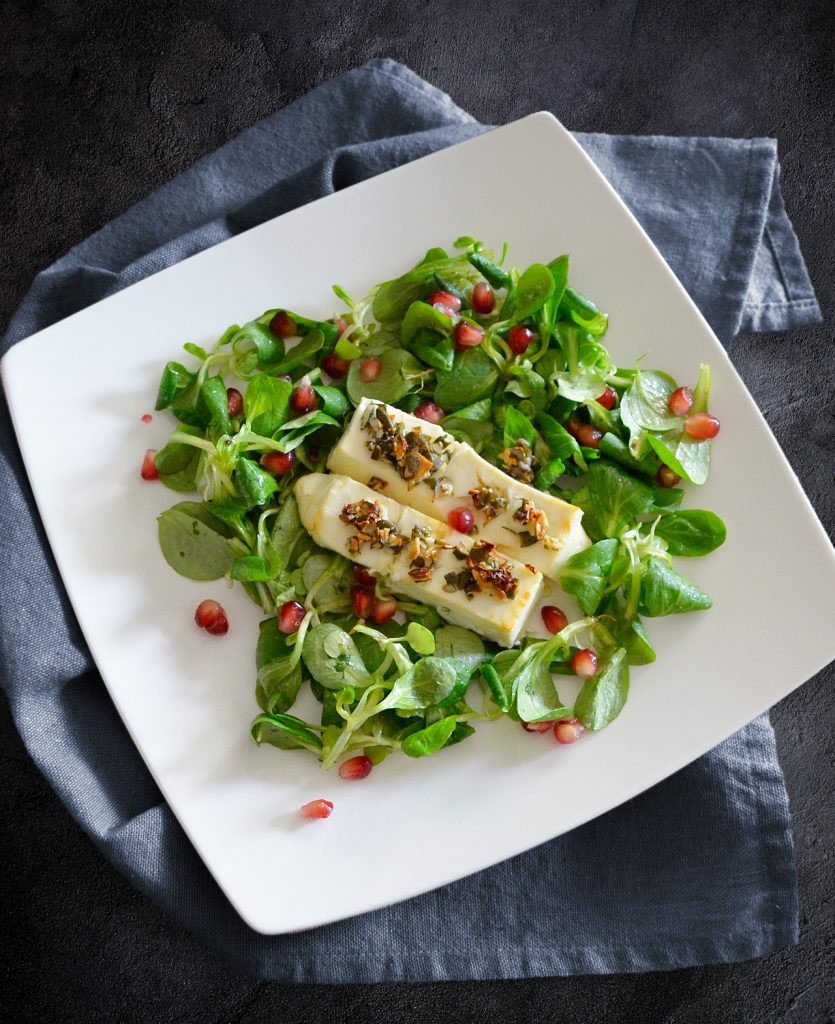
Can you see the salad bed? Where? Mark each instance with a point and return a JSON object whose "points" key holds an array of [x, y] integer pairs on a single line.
{"points": [[510, 361]]}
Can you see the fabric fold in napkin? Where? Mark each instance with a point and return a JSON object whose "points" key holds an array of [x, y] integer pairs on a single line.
{"points": [[699, 869]]}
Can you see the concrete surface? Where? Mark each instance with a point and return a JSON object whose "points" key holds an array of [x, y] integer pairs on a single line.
{"points": [[102, 102]]}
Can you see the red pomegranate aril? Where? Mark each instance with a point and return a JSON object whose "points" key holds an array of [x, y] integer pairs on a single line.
{"points": [[584, 663], [467, 335], [573, 424], [335, 366], [554, 618], [430, 412], [290, 616], [358, 767], [278, 463], [461, 519], [536, 726], [383, 609], [370, 369], [341, 324], [680, 402], [447, 300], [303, 398], [588, 435], [364, 577], [483, 299], [701, 425], [147, 418], [609, 398], [568, 730], [283, 325], [149, 466], [211, 617], [234, 402], [518, 339], [666, 477], [362, 602], [316, 809]]}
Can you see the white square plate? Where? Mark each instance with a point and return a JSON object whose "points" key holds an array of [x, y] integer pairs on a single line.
{"points": [[187, 698]]}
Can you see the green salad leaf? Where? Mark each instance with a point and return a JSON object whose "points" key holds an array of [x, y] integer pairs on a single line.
{"points": [[400, 678]]}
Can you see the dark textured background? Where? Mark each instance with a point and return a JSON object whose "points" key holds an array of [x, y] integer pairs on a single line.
{"points": [[102, 102]]}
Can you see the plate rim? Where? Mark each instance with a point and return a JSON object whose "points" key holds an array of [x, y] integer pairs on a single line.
{"points": [[9, 370]]}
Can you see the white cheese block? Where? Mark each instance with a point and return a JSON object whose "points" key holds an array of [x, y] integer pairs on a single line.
{"points": [[465, 470], [322, 498]]}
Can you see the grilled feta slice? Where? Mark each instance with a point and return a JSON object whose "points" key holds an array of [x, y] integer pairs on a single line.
{"points": [[472, 586], [417, 463]]}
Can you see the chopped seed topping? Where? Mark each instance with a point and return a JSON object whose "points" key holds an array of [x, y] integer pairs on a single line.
{"points": [[519, 461], [489, 501], [422, 553], [371, 527], [485, 568], [376, 484], [416, 456], [537, 525]]}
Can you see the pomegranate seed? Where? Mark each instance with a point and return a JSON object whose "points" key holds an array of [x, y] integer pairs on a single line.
{"points": [[536, 726], [283, 325], [666, 477], [278, 463], [211, 617], [701, 425], [290, 616], [335, 366], [370, 369], [588, 435], [303, 398], [147, 418], [358, 767], [483, 298], [383, 609], [446, 310], [518, 339], [461, 519], [362, 602], [316, 809], [234, 402], [447, 300], [584, 663], [573, 424], [430, 412], [287, 377], [313, 456], [609, 398], [680, 402], [554, 618], [364, 577], [467, 335], [149, 466], [568, 730], [341, 324]]}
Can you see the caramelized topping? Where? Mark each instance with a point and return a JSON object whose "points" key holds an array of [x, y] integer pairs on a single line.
{"points": [[519, 461], [484, 568], [422, 553], [489, 501], [536, 523], [372, 528], [376, 484], [416, 456]]}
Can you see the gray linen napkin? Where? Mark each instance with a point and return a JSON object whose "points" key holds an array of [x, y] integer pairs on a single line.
{"points": [[700, 868]]}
